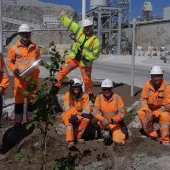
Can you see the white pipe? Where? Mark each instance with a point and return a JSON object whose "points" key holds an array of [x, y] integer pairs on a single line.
{"points": [[133, 58], [83, 10], [83, 18]]}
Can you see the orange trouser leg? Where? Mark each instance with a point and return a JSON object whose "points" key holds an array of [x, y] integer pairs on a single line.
{"points": [[86, 76], [164, 121], [117, 135], [69, 65], [147, 126], [83, 123], [69, 127], [19, 86]]}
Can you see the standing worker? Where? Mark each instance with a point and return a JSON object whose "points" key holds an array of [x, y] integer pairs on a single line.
{"points": [[4, 82], [76, 112], [84, 51], [109, 112], [155, 101], [20, 56]]}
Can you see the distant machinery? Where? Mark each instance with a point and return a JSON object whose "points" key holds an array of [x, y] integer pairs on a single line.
{"points": [[147, 11], [167, 13], [110, 17], [96, 3]]}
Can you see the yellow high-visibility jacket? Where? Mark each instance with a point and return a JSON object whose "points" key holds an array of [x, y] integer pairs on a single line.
{"points": [[91, 48]]}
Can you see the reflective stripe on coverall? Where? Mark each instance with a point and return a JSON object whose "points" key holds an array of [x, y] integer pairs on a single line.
{"points": [[74, 107], [158, 103], [91, 49], [21, 57], [112, 109]]}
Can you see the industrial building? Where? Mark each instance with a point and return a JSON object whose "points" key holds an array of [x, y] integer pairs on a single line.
{"points": [[110, 17], [111, 20], [167, 13]]}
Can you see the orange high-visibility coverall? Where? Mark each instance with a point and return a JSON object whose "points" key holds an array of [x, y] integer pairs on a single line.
{"points": [[158, 104], [4, 79], [89, 47], [111, 109], [21, 57], [75, 107]]}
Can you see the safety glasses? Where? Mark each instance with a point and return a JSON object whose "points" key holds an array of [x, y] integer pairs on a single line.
{"points": [[27, 34], [156, 77], [76, 87], [106, 89]]}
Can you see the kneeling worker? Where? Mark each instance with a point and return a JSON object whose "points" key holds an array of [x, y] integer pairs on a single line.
{"points": [[155, 100], [109, 111], [76, 112]]}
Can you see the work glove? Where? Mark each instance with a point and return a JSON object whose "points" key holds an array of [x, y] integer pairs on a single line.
{"points": [[73, 119], [106, 134], [16, 72], [155, 119], [91, 116], [105, 122], [85, 115]]}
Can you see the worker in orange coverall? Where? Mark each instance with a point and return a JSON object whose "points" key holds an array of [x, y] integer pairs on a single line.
{"points": [[4, 82], [20, 56], [109, 112], [155, 106], [76, 112]]}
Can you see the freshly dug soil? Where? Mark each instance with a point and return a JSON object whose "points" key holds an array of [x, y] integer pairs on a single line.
{"points": [[138, 153]]}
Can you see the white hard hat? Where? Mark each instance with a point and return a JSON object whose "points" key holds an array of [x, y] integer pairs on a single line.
{"points": [[107, 83], [156, 70], [87, 23], [75, 82], [24, 28]]}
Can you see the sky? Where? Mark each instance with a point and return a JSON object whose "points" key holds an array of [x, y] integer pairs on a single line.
{"points": [[136, 7]]}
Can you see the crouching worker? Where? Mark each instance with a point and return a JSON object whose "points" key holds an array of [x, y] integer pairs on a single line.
{"points": [[109, 112], [155, 100], [76, 112]]}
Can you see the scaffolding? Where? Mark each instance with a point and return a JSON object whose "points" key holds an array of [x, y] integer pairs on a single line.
{"points": [[109, 23]]}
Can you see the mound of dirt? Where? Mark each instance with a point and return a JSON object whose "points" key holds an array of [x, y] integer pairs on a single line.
{"points": [[138, 153]]}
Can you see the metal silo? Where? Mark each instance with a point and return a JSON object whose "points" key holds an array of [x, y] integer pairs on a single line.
{"points": [[95, 3]]}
